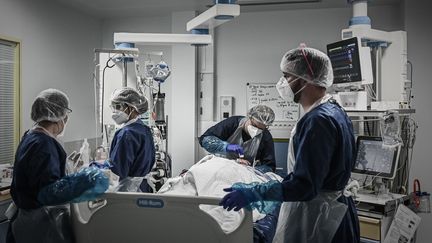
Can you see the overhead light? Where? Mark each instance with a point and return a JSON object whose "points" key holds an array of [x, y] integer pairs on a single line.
{"points": [[271, 2], [214, 16]]}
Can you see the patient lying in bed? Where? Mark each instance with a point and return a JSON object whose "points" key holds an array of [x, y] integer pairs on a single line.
{"points": [[209, 177]]}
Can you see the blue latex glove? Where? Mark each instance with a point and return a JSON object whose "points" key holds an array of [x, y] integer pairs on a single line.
{"points": [[264, 197], [89, 181], [105, 165], [235, 199], [235, 148]]}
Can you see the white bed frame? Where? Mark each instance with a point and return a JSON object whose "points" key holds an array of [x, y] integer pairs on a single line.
{"points": [[144, 217]]}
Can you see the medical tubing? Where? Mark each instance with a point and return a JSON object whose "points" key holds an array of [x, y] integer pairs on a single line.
{"points": [[214, 144], [87, 184]]}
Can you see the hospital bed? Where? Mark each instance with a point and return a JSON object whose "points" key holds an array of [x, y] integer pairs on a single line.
{"points": [[142, 217]]}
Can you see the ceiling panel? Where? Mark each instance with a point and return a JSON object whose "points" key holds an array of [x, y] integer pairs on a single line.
{"points": [[134, 8]]}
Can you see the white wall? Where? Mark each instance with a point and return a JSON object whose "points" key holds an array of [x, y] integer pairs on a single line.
{"points": [[249, 49], [179, 88], [160, 24], [183, 121], [417, 19], [57, 52]]}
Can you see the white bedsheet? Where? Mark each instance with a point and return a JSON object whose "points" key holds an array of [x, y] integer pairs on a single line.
{"points": [[209, 177]]}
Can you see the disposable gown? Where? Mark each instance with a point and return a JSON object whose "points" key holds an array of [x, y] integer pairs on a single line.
{"points": [[324, 149], [224, 129], [39, 161], [132, 152], [38, 181]]}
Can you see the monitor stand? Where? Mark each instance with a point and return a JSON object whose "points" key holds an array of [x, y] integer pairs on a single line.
{"points": [[379, 191]]}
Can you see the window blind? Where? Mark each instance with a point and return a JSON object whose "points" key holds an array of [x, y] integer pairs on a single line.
{"points": [[7, 82]]}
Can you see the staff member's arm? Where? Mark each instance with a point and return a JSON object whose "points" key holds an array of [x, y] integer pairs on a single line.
{"points": [[214, 140]]}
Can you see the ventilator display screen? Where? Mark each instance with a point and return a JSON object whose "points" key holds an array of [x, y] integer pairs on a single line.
{"points": [[345, 60], [281, 153], [374, 158]]}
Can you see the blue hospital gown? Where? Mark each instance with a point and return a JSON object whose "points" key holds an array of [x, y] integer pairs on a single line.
{"points": [[324, 149], [39, 161], [133, 152]]}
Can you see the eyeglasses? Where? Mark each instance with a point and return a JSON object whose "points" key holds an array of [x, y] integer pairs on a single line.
{"points": [[117, 107]]}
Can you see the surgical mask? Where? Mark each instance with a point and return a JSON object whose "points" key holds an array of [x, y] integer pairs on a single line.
{"points": [[253, 131], [285, 90], [120, 117], [64, 128]]}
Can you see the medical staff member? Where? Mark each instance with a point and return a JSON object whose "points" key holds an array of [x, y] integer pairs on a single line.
{"points": [[132, 152], [39, 178], [245, 138], [320, 159]]}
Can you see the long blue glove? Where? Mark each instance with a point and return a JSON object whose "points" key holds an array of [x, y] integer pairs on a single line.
{"points": [[214, 144], [264, 197], [89, 182], [235, 148], [235, 199]]}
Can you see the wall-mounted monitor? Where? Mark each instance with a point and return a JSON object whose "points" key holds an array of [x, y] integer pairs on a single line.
{"points": [[352, 65]]}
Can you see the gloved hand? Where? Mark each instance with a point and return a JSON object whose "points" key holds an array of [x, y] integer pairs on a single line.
{"points": [[351, 189], [264, 197], [72, 162], [101, 164], [236, 199], [235, 148]]}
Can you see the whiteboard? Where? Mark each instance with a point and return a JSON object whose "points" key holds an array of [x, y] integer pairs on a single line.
{"points": [[267, 94]]}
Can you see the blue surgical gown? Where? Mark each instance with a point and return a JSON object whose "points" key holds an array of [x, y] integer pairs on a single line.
{"points": [[324, 149], [133, 152], [224, 129], [39, 161]]}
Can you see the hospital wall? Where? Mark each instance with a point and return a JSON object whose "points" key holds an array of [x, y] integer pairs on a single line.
{"points": [[159, 24], [154, 24], [249, 48], [417, 21], [179, 88], [57, 52]]}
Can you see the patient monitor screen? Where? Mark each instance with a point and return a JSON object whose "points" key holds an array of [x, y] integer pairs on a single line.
{"points": [[375, 159], [345, 60]]}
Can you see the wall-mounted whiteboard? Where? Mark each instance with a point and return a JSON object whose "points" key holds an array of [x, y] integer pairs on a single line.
{"points": [[266, 94]]}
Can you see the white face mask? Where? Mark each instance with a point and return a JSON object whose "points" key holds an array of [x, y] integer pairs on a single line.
{"points": [[63, 131], [285, 90], [120, 117], [253, 131]]}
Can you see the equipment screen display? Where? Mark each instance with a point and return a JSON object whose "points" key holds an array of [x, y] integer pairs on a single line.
{"points": [[374, 158], [345, 60], [281, 153]]}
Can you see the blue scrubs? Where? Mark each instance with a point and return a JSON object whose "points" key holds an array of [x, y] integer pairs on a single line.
{"points": [[324, 149], [224, 129], [39, 161], [133, 152]]}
